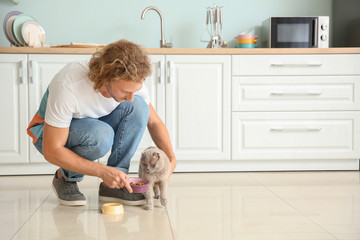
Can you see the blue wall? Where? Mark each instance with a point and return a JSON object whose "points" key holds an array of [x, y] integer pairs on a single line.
{"points": [[106, 21]]}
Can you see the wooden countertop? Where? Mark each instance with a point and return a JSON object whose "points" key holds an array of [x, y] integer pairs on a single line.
{"points": [[189, 51]]}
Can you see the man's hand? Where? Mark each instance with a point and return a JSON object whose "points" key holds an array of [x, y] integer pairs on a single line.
{"points": [[114, 178]]}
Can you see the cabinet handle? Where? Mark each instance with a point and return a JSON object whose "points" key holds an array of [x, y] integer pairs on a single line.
{"points": [[293, 129], [34, 70], [21, 71], [310, 92], [296, 64], [162, 72], [171, 71]]}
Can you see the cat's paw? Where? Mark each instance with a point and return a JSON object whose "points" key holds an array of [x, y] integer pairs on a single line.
{"points": [[163, 202], [156, 196], [149, 207]]}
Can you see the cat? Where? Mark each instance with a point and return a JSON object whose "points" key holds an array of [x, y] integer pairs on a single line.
{"points": [[155, 167]]}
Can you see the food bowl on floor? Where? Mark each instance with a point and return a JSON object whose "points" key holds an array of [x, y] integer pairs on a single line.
{"points": [[112, 208], [138, 185]]}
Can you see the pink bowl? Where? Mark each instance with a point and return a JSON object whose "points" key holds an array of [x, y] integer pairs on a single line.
{"points": [[247, 36], [138, 188]]}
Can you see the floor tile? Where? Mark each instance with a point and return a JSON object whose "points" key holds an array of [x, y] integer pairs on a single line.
{"points": [[20, 196], [354, 175], [329, 199], [257, 213], [200, 204], [212, 179], [302, 178], [247, 206], [334, 208], [233, 206]]}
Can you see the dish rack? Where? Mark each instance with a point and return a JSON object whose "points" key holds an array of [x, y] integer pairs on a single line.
{"points": [[22, 30]]}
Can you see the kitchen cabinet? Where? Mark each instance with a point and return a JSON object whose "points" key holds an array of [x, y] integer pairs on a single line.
{"points": [[296, 108], [242, 112], [13, 99], [198, 106]]}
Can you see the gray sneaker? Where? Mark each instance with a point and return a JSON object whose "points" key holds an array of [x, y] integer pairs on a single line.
{"points": [[67, 192], [121, 196]]}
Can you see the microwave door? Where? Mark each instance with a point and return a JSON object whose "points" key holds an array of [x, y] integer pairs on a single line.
{"points": [[294, 32]]}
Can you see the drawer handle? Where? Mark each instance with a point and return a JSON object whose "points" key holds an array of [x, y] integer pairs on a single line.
{"points": [[282, 93], [296, 64], [292, 129]]}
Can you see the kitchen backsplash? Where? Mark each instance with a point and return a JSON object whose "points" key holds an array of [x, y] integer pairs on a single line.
{"points": [[103, 22]]}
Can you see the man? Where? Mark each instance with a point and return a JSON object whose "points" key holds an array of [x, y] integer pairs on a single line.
{"points": [[89, 108]]}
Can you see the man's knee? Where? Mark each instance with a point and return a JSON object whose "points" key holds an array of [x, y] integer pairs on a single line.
{"points": [[141, 111], [104, 136], [93, 141]]}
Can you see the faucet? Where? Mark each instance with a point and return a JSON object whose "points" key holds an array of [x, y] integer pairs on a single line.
{"points": [[163, 43]]}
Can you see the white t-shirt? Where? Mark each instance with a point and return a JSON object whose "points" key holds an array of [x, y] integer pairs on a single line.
{"points": [[71, 95]]}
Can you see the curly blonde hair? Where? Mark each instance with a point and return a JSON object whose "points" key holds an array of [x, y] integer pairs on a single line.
{"points": [[119, 60]]}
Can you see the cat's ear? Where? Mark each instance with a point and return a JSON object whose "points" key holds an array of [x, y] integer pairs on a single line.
{"points": [[155, 158], [156, 155], [142, 158]]}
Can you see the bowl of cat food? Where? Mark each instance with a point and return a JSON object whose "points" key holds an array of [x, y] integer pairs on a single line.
{"points": [[138, 185]]}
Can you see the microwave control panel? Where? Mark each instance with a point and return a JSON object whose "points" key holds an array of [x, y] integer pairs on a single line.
{"points": [[323, 36]]}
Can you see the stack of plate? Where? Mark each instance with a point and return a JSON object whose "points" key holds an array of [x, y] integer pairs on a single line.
{"points": [[23, 30], [246, 41]]}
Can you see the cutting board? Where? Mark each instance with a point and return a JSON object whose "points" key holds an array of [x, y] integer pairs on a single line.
{"points": [[77, 46]]}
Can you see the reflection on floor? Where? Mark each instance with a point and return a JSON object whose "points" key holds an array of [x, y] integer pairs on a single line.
{"points": [[251, 205]]}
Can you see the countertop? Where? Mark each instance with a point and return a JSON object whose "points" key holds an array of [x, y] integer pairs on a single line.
{"points": [[189, 51]]}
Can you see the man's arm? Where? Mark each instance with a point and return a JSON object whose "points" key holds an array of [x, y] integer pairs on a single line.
{"points": [[160, 136], [55, 152]]}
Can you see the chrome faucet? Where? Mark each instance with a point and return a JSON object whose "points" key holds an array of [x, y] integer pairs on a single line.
{"points": [[163, 43]]}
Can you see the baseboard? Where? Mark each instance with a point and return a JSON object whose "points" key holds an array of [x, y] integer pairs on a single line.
{"points": [[209, 166]]}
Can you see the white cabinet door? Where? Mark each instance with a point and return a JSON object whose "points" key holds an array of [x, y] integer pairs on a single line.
{"points": [[156, 86], [198, 106], [42, 68], [13, 109]]}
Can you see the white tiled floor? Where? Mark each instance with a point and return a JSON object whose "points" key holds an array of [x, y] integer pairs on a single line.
{"points": [[246, 206]]}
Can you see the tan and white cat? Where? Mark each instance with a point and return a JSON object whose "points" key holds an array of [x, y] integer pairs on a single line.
{"points": [[155, 167]]}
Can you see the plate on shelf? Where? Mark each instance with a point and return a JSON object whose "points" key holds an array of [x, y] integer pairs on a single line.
{"points": [[7, 25], [33, 33], [9, 30], [17, 27]]}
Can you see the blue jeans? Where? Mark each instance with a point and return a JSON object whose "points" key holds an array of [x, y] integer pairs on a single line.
{"points": [[121, 131]]}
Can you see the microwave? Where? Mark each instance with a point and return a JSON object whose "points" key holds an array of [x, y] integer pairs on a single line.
{"points": [[296, 32]]}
